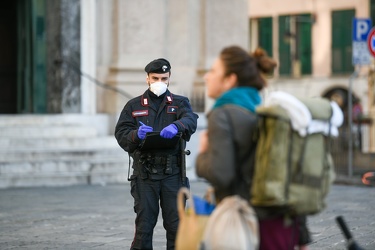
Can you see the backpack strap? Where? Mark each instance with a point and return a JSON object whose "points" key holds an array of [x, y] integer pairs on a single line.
{"points": [[328, 144], [299, 175], [289, 169]]}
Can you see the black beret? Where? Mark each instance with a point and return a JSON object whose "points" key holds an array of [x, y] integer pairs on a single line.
{"points": [[159, 66]]}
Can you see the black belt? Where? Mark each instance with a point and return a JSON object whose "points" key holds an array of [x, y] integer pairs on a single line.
{"points": [[163, 160], [160, 164]]}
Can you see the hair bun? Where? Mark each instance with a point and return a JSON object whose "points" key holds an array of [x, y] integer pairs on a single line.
{"points": [[259, 52], [265, 63]]}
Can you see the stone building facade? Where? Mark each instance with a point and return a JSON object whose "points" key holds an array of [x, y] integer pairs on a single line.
{"points": [[63, 61]]}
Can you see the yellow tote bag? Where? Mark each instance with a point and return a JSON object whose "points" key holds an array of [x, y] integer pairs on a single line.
{"points": [[191, 226]]}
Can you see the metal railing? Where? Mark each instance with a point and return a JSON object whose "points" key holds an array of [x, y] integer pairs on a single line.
{"points": [[77, 69], [363, 160]]}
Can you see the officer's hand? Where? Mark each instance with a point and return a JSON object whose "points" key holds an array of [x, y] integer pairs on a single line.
{"points": [[169, 131], [143, 130]]}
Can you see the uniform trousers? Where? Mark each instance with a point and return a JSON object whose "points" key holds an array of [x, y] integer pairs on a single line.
{"points": [[147, 194]]}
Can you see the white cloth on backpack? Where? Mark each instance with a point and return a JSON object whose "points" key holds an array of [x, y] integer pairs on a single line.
{"points": [[301, 118], [299, 114], [233, 225], [328, 128]]}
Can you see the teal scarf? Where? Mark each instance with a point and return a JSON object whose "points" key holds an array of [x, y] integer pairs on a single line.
{"points": [[246, 97]]}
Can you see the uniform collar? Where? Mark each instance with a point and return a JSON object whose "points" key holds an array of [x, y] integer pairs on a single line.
{"points": [[145, 98]]}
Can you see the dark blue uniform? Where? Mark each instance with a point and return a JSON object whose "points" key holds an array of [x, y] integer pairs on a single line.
{"points": [[156, 174]]}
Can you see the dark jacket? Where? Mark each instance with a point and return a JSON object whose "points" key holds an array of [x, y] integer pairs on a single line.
{"points": [[156, 113], [228, 163]]}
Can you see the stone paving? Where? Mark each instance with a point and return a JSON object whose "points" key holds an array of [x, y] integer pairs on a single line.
{"points": [[101, 217]]}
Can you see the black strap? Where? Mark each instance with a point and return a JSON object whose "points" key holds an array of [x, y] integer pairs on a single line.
{"points": [[289, 167], [299, 173]]}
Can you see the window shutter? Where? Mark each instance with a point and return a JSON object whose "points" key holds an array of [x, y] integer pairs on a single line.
{"points": [[265, 34], [284, 47], [304, 46], [342, 41]]}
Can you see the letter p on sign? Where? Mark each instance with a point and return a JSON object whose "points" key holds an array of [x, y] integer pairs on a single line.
{"points": [[361, 28]]}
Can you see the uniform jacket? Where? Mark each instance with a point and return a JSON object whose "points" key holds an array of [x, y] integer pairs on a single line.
{"points": [[173, 109]]}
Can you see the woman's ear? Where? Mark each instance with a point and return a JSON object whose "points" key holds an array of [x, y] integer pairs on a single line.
{"points": [[230, 81]]}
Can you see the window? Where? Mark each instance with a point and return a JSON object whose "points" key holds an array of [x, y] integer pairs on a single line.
{"points": [[295, 44]]}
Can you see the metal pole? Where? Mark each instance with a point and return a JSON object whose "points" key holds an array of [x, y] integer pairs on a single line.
{"points": [[350, 108]]}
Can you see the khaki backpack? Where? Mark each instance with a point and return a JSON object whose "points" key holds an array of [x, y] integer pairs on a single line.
{"points": [[290, 170]]}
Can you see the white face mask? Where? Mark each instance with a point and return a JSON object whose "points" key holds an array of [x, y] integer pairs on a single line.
{"points": [[158, 88]]}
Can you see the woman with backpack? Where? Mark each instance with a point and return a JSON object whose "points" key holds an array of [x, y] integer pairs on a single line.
{"points": [[227, 148]]}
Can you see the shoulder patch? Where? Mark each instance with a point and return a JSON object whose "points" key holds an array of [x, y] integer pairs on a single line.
{"points": [[172, 109], [169, 99]]}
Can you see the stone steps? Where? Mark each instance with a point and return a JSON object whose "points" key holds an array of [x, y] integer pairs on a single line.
{"points": [[102, 123], [57, 144], [56, 150], [101, 154], [57, 131], [65, 173]]}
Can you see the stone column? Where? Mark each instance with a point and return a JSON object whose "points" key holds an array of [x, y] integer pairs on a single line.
{"points": [[63, 60], [105, 20], [88, 56], [182, 44], [225, 23], [54, 86]]}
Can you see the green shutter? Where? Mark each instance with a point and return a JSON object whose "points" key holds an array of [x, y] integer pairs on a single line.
{"points": [[31, 82], [23, 62], [372, 11], [284, 47], [39, 57], [342, 41], [265, 34], [304, 43]]}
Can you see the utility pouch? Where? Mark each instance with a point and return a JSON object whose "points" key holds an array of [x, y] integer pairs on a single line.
{"points": [[168, 167]]}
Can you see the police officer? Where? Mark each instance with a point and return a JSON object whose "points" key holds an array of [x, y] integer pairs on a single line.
{"points": [[157, 176]]}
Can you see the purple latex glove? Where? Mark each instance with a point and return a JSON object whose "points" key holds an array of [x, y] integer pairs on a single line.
{"points": [[143, 130], [169, 131]]}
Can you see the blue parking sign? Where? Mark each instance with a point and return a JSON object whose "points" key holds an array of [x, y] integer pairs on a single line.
{"points": [[361, 28]]}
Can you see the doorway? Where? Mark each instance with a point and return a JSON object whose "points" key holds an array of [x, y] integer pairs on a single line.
{"points": [[8, 57], [22, 57]]}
